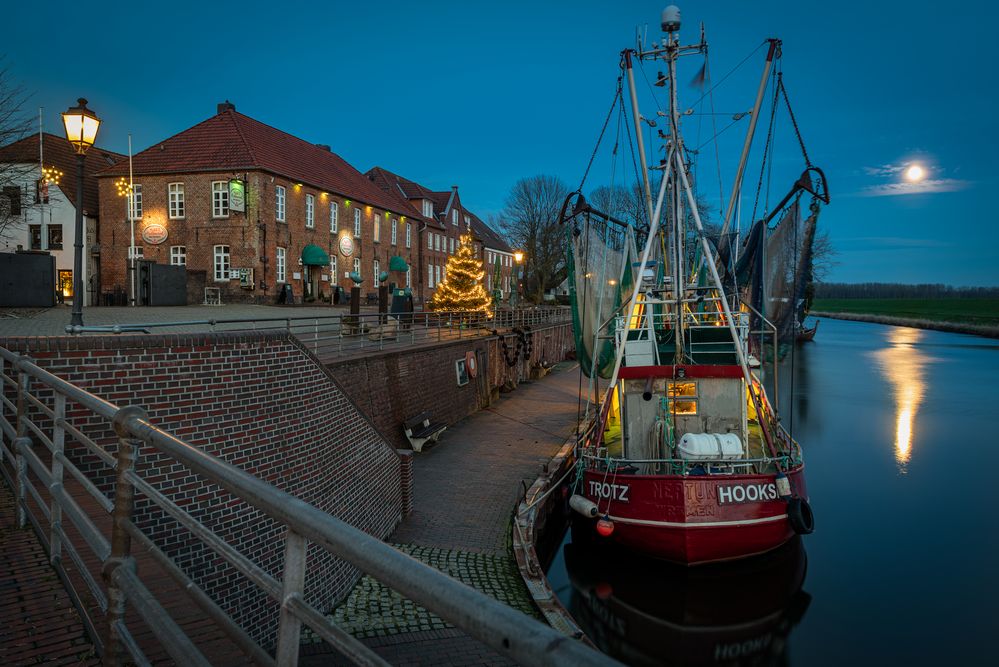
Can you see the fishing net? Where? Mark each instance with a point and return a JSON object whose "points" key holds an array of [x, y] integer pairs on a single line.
{"points": [[599, 259]]}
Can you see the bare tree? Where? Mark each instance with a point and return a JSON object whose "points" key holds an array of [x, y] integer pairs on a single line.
{"points": [[530, 220], [823, 256], [14, 125]]}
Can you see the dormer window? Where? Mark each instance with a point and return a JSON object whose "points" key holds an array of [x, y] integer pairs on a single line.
{"points": [[428, 208], [454, 216]]}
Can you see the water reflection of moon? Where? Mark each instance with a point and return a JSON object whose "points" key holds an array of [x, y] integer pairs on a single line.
{"points": [[903, 364]]}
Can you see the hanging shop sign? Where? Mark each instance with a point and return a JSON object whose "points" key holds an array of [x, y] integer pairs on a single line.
{"points": [[346, 245], [237, 195], [154, 233]]}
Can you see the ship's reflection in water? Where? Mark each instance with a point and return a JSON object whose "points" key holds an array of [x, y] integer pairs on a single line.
{"points": [[648, 612], [903, 363]]}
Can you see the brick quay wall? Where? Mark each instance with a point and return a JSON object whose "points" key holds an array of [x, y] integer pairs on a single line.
{"points": [[393, 386], [256, 400]]}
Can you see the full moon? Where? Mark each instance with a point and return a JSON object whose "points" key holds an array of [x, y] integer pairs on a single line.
{"points": [[915, 173]]}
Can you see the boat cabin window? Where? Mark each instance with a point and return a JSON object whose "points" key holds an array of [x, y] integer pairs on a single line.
{"points": [[682, 397]]}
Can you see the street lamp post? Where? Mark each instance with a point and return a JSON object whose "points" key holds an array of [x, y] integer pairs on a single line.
{"points": [[81, 131], [518, 257]]}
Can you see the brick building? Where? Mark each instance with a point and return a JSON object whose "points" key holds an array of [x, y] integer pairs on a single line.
{"points": [[250, 209], [38, 215], [440, 238]]}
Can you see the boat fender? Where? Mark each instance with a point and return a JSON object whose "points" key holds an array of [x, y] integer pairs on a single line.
{"points": [[605, 526], [799, 513], [583, 505], [783, 486]]}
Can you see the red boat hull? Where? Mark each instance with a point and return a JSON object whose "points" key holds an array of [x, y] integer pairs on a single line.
{"points": [[694, 519]]}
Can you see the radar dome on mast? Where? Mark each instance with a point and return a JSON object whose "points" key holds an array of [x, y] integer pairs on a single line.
{"points": [[671, 19]]}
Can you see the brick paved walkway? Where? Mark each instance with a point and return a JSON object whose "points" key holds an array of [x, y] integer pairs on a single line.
{"points": [[465, 488], [38, 623]]}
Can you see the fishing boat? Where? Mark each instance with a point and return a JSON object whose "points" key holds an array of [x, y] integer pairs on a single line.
{"points": [[683, 455]]}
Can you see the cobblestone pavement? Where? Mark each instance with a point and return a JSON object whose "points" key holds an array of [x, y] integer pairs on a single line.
{"points": [[465, 488], [38, 623]]}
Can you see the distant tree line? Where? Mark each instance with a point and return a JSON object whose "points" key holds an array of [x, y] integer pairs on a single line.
{"points": [[900, 291]]}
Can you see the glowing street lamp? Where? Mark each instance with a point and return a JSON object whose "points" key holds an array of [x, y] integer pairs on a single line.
{"points": [[81, 131], [518, 257]]}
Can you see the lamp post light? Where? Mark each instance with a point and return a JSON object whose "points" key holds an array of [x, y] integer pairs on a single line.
{"points": [[81, 131], [518, 257]]}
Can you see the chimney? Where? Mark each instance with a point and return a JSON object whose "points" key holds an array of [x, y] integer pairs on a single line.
{"points": [[325, 147], [226, 106], [454, 187]]}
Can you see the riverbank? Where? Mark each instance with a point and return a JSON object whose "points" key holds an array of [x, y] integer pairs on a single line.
{"points": [[917, 323]]}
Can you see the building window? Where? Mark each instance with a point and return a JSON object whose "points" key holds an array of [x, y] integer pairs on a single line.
{"points": [[357, 265], [409, 276], [221, 261], [281, 265], [377, 227], [334, 278], [454, 216], [310, 211], [175, 199], [178, 255], [468, 221], [135, 202], [41, 191], [430, 240], [220, 200], [437, 273], [430, 275], [376, 267], [55, 237], [357, 222], [280, 200], [437, 242], [409, 235], [334, 216], [12, 193], [395, 232], [428, 208], [137, 254], [36, 237], [452, 245]]}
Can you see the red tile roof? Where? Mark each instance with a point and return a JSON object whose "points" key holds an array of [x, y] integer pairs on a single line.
{"points": [[388, 180], [60, 154], [231, 141]]}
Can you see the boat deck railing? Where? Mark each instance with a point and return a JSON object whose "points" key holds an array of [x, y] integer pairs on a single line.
{"points": [[603, 462], [70, 457]]}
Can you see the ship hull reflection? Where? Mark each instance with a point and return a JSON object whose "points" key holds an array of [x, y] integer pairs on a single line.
{"points": [[649, 612]]}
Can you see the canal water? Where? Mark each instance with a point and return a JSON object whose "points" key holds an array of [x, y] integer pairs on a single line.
{"points": [[900, 429]]}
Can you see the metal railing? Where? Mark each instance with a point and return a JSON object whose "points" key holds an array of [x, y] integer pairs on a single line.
{"points": [[331, 336], [34, 411]]}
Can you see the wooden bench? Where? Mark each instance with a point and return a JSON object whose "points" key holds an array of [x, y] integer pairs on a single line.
{"points": [[419, 430]]}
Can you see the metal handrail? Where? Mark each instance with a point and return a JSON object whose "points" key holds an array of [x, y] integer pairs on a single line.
{"points": [[506, 630]]}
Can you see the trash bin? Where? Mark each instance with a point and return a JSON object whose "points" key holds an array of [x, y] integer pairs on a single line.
{"points": [[402, 306]]}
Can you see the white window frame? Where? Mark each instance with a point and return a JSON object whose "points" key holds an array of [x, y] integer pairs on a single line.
{"points": [[175, 199], [430, 275], [220, 199], [281, 265], [428, 208], [453, 245], [135, 202], [430, 240], [334, 217], [357, 265], [409, 235], [409, 276], [280, 203], [437, 274], [138, 252], [437, 242], [310, 211], [334, 278], [357, 223], [454, 217], [376, 271], [395, 231], [222, 263], [178, 255], [376, 226]]}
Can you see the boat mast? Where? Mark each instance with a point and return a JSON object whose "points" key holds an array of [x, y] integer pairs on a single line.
{"points": [[637, 116], [737, 185]]}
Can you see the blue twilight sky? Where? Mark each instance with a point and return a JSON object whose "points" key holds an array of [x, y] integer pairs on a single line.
{"points": [[481, 94]]}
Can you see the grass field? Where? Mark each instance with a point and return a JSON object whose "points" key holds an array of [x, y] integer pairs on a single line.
{"points": [[964, 311]]}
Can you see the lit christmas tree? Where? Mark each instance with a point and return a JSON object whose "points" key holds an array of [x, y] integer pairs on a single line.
{"points": [[461, 289]]}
